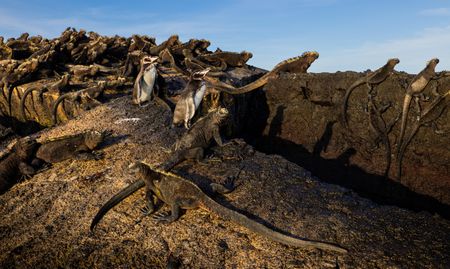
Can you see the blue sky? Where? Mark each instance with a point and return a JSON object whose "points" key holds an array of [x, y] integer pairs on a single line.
{"points": [[349, 34]]}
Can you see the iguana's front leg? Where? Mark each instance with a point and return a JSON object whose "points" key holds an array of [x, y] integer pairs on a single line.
{"points": [[40, 165], [169, 218], [86, 156], [217, 137], [26, 170], [149, 207]]}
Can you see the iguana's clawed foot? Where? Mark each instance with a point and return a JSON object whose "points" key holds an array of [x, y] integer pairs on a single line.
{"points": [[147, 210], [214, 159], [98, 155], [86, 156], [163, 149], [163, 217], [44, 167], [25, 177], [438, 130]]}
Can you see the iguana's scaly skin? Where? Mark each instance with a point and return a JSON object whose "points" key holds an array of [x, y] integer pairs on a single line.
{"points": [[194, 64], [19, 76], [198, 138], [54, 87], [382, 130], [85, 94], [17, 164], [300, 64], [72, 146], [373, 78], [180, 193], [170, 42], [415, 88], [429, 114], [191, 45], [226, 58]]}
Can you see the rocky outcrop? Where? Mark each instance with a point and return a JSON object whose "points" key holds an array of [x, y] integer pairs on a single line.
{"points": [[302, 122], [45, 220]]}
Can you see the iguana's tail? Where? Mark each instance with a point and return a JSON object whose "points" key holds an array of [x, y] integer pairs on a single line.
{"points": [[400, 142], [405, 109], [265, 231], [115, 200], [23, 100], [344, 106], [55, 107]]}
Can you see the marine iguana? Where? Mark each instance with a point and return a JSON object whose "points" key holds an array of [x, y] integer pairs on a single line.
{"points": [[131, 63], [142, 43], [85, 95], [415, 88], [54, 87], [226, 58], [193, 143], [171, 41], [77, 146], [20, 75], [18, 163], [145, 80], [190, 98], [382, 129], [4, 132], [371, 79], [193, 63], [191, 45], [429, 114], [180, 193], [302, 62]]}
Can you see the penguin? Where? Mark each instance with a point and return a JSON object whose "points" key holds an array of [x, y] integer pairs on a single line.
{"points": [[145, 81], [190, 98]]}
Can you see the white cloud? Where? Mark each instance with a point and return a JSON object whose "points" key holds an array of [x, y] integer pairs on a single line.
{"points": [[268, 50], [413, 53], [436, 12]]}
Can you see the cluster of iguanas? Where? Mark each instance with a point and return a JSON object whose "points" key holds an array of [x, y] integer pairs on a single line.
{"points": [[44, 70], [203, 70], [27, 156], [414, 89], [178, 192], [201, 83], [79, 68], [48, 80]]}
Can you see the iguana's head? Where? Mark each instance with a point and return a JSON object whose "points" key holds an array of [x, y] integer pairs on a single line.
{"points": [[393, 61], [146, 61], [220, 114], [311, 56], [199, 75], [203, 44], [148, 171], [173, 39], [246, 55], [432, 63], [136, 167], [25, 148], [93, 138]]}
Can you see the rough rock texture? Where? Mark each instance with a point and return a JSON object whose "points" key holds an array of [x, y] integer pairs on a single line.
{"points": [[45, 220], [299, 118]]}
